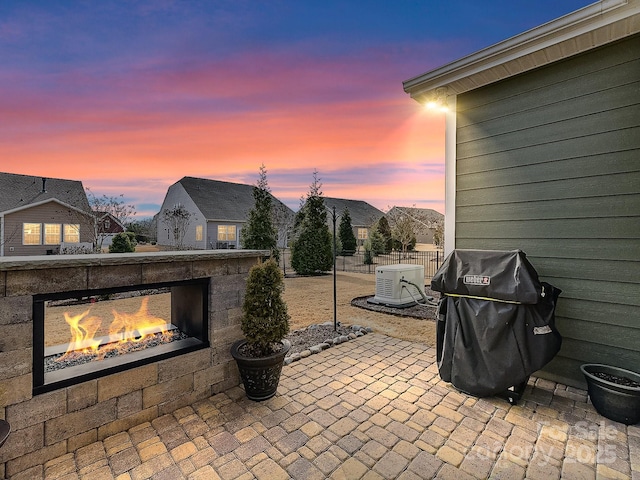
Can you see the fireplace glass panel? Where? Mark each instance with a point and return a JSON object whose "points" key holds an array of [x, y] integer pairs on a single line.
{"points": [[88, 334]]}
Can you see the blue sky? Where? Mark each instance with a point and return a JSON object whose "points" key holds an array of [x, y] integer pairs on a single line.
{"points": [[129, 97]]}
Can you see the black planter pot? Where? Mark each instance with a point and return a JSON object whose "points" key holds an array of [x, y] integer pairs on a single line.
{"points": [[617, 402], [260, 376]]}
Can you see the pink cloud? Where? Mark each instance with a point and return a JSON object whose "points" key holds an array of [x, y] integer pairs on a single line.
{"points": [[139, 128]]}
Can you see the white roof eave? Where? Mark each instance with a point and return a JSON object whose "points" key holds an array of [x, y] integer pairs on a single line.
{"points": [[590, 27]]}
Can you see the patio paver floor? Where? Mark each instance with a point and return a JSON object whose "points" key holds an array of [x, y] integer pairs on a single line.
{"points": [[371, 408]]}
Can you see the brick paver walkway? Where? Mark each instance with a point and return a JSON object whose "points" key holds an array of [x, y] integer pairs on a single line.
{"points": [[372, 408]]}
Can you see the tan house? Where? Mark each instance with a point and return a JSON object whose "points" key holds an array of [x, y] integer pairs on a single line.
{"points": [[39, 216]]}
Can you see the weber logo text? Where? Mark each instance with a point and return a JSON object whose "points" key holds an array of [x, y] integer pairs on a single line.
{"points": [[477, 280]]}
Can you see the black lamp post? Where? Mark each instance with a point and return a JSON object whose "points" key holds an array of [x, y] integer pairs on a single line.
{"points": [[335, 254]]}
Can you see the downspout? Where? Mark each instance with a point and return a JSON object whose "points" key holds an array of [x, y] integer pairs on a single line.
{"points": [[450, 176], [1, 235]]}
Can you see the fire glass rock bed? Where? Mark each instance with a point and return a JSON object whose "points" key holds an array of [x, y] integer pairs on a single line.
{"points": [[496, 323]]}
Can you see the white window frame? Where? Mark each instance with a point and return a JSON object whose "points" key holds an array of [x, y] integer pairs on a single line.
{"points": [[46, 240], [24, 234], [225, 231], [66, 232]]}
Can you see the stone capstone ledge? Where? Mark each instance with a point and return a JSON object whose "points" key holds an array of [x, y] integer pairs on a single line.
{"points": [[37, 262]]}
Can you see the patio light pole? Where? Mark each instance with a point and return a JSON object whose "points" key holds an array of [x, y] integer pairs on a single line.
{"points": [[335, 295]]}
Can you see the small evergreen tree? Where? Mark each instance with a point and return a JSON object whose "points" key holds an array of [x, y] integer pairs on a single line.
{"points": [[123, 242], [259, 232], [368, 252], [311, 252], [265, 321], [378, 243], [347, 238], [385, 230]]}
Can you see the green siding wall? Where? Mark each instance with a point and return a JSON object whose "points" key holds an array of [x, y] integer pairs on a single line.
{"points": [[549, 162]]}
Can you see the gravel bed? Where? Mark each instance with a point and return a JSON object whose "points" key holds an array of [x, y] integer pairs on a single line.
{"points": [[319, 337]]}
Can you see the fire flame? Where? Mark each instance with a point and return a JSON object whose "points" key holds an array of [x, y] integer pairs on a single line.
{"points": [[124, 328], [134, 327], [83, 330]]}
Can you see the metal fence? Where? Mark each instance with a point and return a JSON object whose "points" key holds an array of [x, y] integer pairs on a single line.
{"points": [[356, 262]]}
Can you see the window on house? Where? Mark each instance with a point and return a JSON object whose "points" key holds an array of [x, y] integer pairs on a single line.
{"points": [[363, 234], [52, 233], [199, 234], [71, 233], [107, 224], [31, 234], [226, 233]]}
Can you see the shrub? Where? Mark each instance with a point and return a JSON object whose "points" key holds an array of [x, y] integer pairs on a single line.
{"points": [[265, 321], [123, 242]]}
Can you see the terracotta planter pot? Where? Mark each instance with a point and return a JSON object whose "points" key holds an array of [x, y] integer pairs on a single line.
{"points": [[617, 402], [260, 376]]}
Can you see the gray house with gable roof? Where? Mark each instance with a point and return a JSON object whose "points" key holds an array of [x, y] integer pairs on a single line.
{"points": [[363, 215], [218, 212]]}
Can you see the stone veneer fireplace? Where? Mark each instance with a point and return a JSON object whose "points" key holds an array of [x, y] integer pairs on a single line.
{"points": [[49, 419]]}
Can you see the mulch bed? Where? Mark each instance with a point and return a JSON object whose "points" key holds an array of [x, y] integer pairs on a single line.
{"points": [[426, 312]]}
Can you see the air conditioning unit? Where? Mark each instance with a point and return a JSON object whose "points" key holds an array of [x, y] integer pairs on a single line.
{"points": [[392, 292]]}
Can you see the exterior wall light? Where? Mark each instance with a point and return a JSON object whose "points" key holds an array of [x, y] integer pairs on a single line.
{"points": [[438, 100]]}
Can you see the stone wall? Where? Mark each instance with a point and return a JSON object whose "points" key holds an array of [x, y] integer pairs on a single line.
{"points": [[51, 424]]}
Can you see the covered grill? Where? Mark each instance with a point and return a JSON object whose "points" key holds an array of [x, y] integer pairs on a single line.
{"points": [[496, 322]]}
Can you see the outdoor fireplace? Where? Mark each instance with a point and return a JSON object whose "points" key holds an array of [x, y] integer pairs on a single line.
{"points": [[57, 411], [87, 334]]}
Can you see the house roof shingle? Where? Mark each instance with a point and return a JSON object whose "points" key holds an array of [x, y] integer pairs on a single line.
{"points": [[427, 214], [218, 200], [362, 213], [22, 190]]}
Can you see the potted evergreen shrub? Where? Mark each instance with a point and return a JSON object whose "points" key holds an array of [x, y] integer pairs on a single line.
{"points": [[265, 324]]}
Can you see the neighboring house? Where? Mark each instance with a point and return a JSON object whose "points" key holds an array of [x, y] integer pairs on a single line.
{"points": [[426, 218], [218, 212], [107, 227], [363, 215], [543, 154], [38, 215]]}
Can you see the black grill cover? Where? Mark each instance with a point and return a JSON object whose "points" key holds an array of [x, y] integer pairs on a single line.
{"points": [[496, 323]]}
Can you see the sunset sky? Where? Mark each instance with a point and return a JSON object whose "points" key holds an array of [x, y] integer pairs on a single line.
{"points": [[129, 97]]}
